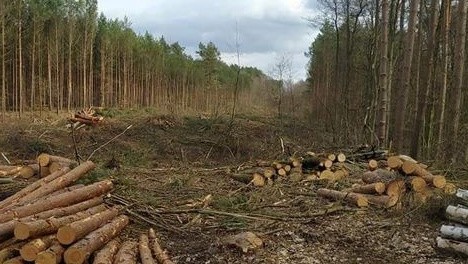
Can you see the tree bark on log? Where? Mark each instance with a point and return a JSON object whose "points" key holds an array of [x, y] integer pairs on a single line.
{"points": [[384, 201], [354, 198], [145, 252], [15, 260], [437, 181], [457, 214], [462, 194], [36, 228], [61, 200], [7, 253], [127, 253], [256, 179], [378, 175], [29, 171], [371, 188], [79, 252], [30, 250], [69, 233], [452, 246], [161, 256], [45, 159], [107, 254], [396, 188], [8, 227], [454, 232], [30, 188], [394, 162], [53, 255]]}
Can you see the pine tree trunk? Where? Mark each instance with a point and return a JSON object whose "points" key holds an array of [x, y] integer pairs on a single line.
{"points": [[145, 252], [107, 254], [52, 255], [127, 253]]}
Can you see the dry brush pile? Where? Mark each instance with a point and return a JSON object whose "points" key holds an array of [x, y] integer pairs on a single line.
{"points": [[54, 220], [386, 182]]}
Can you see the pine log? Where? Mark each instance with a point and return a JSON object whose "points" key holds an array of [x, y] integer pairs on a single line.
{"points": [[417, 184], [256, 179], [44, 171], [452, 246], [127, 253], [287, 168], [394, 162], [295, 176], [372, 165], [15, 260], [277, 165], [36, 228], [326, 163], [269, 172], [8, 227], [371, 188], [9, 170], [354, 198], [145, 252], [382, 200], [7, 253], [437, 181], [282, 172], [45, 159], [107, 254], [459, 233], [457, 214], [328, 174], [411, 168], [60, 182], [341, 157], [30, 250], [395, 188], [331, 156], [378, 175], [55, 166], [53, 255], [74, 231], [61, 200], [450, 188], [161, 255], [79, 252], [407, 158], [30, 188], [340, 174], [29, 171]]}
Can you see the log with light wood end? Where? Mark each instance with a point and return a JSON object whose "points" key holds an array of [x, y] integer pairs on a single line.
{"points": [[127, 253], [45, 159], [371, 188], [7, 253], [15, 260], [396, 188], [146, 256], [52, 255], [437, 181], [354, 198], [29, 171], [378, 175], [341, 157], [67, 234], [328, 174], [161, 255], [106, 255], [372, 165], [384, 201], [79, 252], [417, 184], [30, 250], [394, 162]]}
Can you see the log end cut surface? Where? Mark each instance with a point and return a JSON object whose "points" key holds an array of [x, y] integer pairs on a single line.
{"points": [[74, 256], [21, 231], [66, 235]]}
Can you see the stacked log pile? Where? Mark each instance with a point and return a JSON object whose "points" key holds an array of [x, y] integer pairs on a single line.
{"points": [[453, 236], [85, 117], [55, 220]]}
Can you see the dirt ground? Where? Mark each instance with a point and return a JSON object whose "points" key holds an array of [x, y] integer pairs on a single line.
{"points": [[173, 174]]}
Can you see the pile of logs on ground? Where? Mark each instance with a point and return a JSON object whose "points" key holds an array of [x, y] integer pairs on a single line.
{"points": [[310, 167], [85, 117], [454, 235], [388, 182], [55, 220]]}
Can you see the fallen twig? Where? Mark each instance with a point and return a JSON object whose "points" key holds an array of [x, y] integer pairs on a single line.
{"points": [[107, 143]]}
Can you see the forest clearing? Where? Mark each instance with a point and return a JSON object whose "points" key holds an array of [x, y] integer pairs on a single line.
{"points": [[317, 131]]}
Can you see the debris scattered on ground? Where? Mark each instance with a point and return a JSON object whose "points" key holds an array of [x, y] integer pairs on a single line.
{"points": [[85, 117]]}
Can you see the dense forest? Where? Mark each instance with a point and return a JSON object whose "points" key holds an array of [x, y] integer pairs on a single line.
{"points": [[393, 72], [62, 55]]}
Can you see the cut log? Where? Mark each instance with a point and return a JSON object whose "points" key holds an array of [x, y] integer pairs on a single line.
{"points": [[417, 184], [382, 200], [8, 227], [396, 188], [407, 158], [145, 252], [44, 171], [452, 246], [30, 188], [36, 228], [328, 174], [379, 175], [437, 181], [457, 214], [372, 188], [277, 165], [394, 162], [7, 253], [79, 252], [30, 250], [341, 157], [161, 255], [61, 200], [72, 232], [282, 172], [9, 170], [269, 172], [326, 163], [256, 179], [55, 166], [127, 253], [372, 165], [459, 233], [15, 260], [107, 254], [296, 163], [45, 159], [450, 188], [287, 168], [295, 176], [29, 171], [53, 255], [354, 198]]}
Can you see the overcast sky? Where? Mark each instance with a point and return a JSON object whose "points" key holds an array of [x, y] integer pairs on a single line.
{"points": [[267, 29]]}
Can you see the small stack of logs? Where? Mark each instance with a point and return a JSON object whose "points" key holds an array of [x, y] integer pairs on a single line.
{"points": [[54, 220], [85, 117], [454, 236], [313, 166], [387, 182]]}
